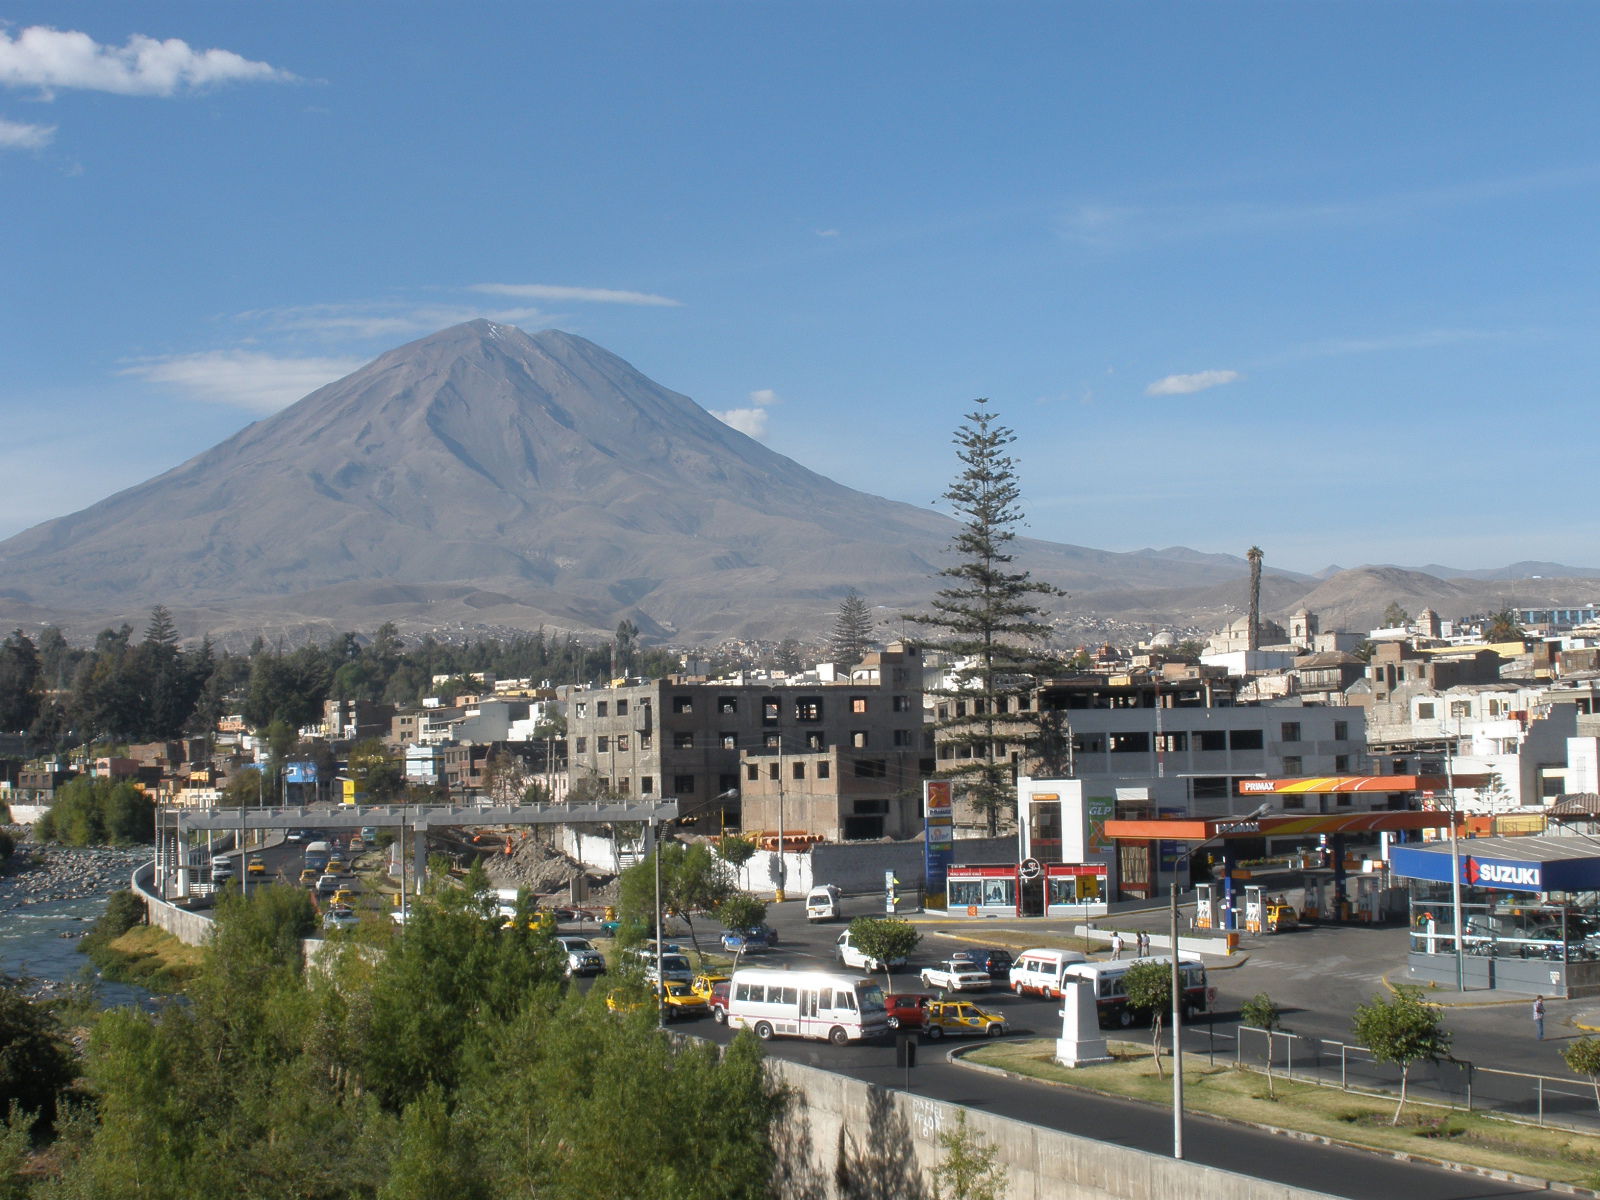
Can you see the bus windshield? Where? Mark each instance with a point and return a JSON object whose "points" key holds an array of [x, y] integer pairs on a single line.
{"points": [[871, 997]]}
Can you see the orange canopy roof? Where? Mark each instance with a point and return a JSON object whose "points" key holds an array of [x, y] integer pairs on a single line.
{"points": [[1194, 829]]}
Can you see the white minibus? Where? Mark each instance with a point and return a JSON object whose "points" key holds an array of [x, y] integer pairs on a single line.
{"points": [[1038, 972], [1111, 1000], [807, 1004]]}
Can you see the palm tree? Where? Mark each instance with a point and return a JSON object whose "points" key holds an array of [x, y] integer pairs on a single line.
{"points": [[1254, 556]]}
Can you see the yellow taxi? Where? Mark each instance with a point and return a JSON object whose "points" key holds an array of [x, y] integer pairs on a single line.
{"points": [[679, 1001], [308, 877], [256, 866], [704, 985], [344, 897], [961, 1018]]}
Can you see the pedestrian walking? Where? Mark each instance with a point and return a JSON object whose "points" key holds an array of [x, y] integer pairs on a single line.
{"points": [[1538, 1018], [1142, 943], [1116, 945]]}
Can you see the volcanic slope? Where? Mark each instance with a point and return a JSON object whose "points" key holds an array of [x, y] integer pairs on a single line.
{"points": [[517, 479]]}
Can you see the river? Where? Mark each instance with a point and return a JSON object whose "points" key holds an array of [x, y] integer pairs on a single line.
{"points": [[46, 907]]}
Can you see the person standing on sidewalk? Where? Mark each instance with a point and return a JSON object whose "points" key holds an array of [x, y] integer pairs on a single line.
{"points": [[1116, 945], [1538, 1018]]}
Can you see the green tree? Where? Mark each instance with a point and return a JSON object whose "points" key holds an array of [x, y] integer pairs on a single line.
{"points": [[1394, 616], [742, 911], [1261, 1012], [692, 880], [1402, 1030], [434, 1158], [1254, 557], [19, 682], [35, 1067], [286, 689], [852, 631], [735, 850], [886, 939], [991, 623], [94, 811], [1583, 1058], [969, 1166], [1503, 626], [1148, 984]]}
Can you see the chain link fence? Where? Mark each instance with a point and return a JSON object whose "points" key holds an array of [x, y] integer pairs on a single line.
{"points": [[1554, 1100]]}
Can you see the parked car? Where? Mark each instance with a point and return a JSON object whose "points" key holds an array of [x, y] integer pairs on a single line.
{"points": [[822, 903], [961, 1018], [996, 962], [907, 1010], [582, 957], [718, 1000], [956, 976], [680, 1002], [256, 866], [850, 955], [344, 896], [308, 878], [328, 884], [706, 984], [750, 941]]}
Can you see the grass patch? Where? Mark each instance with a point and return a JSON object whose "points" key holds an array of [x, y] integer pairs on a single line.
{"points": [[149, 957], [1471, 1138]]}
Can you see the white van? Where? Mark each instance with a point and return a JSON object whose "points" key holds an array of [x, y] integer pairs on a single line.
{"points": [[822, 903], [1039, 972], [840, 1008]]}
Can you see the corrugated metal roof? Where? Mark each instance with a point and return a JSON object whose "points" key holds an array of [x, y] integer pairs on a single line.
{"points": [[1519, 849]]}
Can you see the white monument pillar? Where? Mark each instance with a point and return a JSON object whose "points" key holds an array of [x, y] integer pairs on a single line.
{"points": [[1080, 1042]]}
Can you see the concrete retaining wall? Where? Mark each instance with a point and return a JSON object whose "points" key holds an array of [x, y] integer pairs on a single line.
{"points": [[191, 928], [857, 1141], [28, 814]]}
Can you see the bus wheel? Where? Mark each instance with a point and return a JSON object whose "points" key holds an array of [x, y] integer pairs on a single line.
{"points": [[838, 1036], [1125, 1018], [763, 1031]]}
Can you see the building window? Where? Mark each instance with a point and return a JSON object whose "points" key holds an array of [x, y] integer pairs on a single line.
{"points": [[799, 770], [903, 737], [1291, 731], [582, 746], [900, 704], [622, 708], [1211, 787], [858, 704], [814, 740], [1291, 764], [683, 704], [646, 739], [683, 741], [858, 739], [1294, 801], [1342, 800], [647, 784], [1129, 743], [727, 704], [730, 741], [1341, 731], [1246, 739], [1461, 708], [1024, 703], [774, 741], [822, 770], [1341, 764], [752, 772], [622, 785], [683, 784], [728, 783], [622, 742], [1212, 739], [1424, 711], [771, 710], [581, 709], [599, 708], [602, 743], [871, 768], [808, 708], [772, 770]]}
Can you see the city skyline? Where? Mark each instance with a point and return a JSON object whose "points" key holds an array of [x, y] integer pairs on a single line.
{"points": [[1309, 277]]}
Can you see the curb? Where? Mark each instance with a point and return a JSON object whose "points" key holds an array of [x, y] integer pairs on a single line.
{"points": [[956, 1057], [1433, 1003]]}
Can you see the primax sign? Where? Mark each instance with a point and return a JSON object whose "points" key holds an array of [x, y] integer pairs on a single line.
{"points": [[1522, 877]]}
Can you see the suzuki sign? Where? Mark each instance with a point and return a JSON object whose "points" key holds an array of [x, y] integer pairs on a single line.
{"points": [[1522, 877]]}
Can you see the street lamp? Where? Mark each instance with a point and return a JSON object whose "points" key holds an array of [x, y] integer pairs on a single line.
{"points": [[1177, 989]]}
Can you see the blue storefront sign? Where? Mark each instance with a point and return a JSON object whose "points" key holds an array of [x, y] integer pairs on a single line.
{"points": [[1563, 874]]}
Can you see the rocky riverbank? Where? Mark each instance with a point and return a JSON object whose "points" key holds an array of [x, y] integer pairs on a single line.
{"points": [[43, 873]]}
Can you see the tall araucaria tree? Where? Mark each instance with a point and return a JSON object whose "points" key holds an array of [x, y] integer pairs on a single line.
{"points": [[852, 631], [994, 629]]}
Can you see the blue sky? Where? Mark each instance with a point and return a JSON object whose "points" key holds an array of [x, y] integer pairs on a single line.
{"points": [[1318, 277]]}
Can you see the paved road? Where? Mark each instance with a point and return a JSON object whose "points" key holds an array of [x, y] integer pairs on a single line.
{"points": [[1247, 1151]]}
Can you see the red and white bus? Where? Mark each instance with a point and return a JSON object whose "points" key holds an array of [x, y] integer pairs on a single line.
{"points": [[806, 1004], [1111, 1000]]}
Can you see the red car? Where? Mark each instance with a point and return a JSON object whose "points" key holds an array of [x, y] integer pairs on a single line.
{"points": [[907, 1010], [719, 1003]]}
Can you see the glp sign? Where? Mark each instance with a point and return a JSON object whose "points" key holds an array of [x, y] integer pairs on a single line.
{"points": [[1521, 877]]}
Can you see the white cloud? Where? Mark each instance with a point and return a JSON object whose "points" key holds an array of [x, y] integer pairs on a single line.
{"points": [[1182, 385], [16, 135], [383, 319], [49, 59], [827, 233], [751, 421], [257, 382], [550, 291]]}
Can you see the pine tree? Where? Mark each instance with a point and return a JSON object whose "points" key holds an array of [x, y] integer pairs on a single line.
{"points": [[992, 623], [852, 631]]}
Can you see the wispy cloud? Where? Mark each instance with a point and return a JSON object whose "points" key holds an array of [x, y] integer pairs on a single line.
{"points": [[1199, 381], [1422, 339], [381, 318], [251, 380], [751, 421], [51, 59], [18, 135], [587, 295], [827, 233]]}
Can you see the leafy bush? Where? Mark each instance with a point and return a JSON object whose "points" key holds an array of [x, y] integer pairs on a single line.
{"points": [[97, 812]]}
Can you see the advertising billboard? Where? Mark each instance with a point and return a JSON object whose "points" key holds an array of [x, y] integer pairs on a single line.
{"points": [[939, 832], [300, 772]]}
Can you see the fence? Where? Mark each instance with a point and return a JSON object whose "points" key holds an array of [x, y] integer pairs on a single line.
{"points": [[1561, 1101]]}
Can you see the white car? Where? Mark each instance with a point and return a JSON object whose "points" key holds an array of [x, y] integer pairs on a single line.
{"points": [[340, 917], [582, 957], [956, 976]]}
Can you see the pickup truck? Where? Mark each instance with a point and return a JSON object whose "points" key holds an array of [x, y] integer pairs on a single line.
{"points": [[956, 976], [851, 956]]}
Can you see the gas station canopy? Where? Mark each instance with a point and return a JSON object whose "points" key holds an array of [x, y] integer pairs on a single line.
{"points": [[1426, 784], [1194, 829]]}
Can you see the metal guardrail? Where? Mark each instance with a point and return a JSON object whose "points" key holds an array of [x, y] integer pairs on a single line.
{"points": [[417, 816], [1547, 1100]]}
